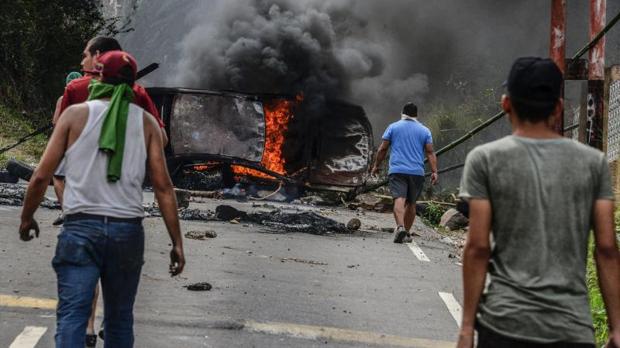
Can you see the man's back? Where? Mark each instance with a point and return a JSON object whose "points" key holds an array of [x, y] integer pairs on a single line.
{"points": [[407, 140], [88, 190], [542, 193]]}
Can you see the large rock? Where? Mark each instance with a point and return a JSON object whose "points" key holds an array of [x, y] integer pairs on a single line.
{"points": [[453, 220], [369, 201]]}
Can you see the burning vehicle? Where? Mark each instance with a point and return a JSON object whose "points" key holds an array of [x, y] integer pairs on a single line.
{"points": [[227, 137]]}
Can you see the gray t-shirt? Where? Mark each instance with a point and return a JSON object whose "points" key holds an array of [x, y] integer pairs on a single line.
{"points": [[542, 192]]}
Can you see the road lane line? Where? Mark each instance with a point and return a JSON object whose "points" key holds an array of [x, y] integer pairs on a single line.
{"points": [[342, 335], [453, 306], [417, 251], [27, 302], [29, 337]]}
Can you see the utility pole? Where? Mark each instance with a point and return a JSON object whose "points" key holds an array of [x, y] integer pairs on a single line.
{"points": [[596, 76], [557, 47]]}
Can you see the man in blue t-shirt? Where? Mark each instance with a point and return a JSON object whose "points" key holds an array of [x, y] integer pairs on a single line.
{"points": [[409, 141]]}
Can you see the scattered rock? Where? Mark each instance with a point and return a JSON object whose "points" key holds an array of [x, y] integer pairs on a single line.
{"points": [[452, 219], [354, 224], [199, 287], [196, 214], [200, 235], [227, 213], [387, 229], [325, 198], [370, 201]]}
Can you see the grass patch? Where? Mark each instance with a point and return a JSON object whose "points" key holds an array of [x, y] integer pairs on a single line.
{"points": [[597, 306], [432, 214], [14, 126]]}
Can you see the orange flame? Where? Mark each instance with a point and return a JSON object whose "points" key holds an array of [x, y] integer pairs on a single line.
{"points": [[277, 116]]}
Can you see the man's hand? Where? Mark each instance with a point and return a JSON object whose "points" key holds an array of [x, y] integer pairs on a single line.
{"points": [[177, 260], [25, 227], [466, 338], [614, 339], [434, 178]]}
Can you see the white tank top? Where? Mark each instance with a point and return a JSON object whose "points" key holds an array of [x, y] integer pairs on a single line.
{"points": [[87, 189]]}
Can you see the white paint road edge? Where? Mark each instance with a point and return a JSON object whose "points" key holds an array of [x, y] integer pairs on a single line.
{"points": [[453, 306], [417, 251], [29, 337]]}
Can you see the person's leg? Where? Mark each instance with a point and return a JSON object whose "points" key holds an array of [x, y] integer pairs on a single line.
{"points": [[90, 329], [77, 274], [119, 282], [400, 211], [409, 215], [415, 183]]}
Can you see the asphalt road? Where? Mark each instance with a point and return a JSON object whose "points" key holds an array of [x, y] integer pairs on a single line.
{"points": [[270, 289]]}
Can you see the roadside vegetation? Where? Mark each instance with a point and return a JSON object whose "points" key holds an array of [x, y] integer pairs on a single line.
{"points": [[599, 317], [40, 42], [14, 126]]}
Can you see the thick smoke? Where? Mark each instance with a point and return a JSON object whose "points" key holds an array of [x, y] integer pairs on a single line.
{"points": [[290, 47], [378, 53]]}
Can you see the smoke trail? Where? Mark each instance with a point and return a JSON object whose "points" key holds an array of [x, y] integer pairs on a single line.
{"points": [[289, 47]]}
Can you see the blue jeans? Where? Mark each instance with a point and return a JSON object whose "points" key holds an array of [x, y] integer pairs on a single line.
{"points": [[87, 250]]}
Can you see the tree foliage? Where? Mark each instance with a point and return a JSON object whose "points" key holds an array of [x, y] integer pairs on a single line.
{"points": [[40, 42]]}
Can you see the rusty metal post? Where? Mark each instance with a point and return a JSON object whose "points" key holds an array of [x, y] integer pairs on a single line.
{"points": [[557, 47], [596, 75]]}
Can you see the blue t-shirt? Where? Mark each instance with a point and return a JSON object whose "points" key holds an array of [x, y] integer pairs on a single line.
{"points": [[407, 141]]}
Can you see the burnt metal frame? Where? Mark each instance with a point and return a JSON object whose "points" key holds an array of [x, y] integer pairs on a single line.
{"points": [[176, 162]]}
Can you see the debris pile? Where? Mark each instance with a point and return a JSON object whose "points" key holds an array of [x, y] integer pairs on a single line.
{"points": [[305, 222], [11, 194]]}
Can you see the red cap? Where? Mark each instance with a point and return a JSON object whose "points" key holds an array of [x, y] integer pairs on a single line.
{"points": [[110, 63]]}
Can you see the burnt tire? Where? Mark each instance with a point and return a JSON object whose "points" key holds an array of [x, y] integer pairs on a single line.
{"points": [[19, 169], [8, 178]]}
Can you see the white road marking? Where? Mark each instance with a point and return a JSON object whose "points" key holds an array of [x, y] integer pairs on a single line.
{"points": [[453, 306], [417, 251], [29, 337]]}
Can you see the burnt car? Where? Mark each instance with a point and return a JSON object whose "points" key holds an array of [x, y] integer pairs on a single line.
{"points": [[268, 137]]}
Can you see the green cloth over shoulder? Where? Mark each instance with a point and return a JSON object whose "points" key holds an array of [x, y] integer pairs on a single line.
{"points": [[112, 138]]}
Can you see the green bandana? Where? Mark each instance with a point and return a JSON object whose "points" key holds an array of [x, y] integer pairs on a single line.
{"points": [[112, 138]]}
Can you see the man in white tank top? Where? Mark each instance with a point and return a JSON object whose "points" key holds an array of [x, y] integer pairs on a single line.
{"points": [[108, 143]]}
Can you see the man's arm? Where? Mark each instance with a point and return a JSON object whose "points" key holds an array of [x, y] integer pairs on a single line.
{"points": [[57, 110], [432, 160], [475, 263], [164, 193], [381, 154], [607, 259], [41, 177]]}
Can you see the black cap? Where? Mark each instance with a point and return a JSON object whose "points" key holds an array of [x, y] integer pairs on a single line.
{"points": [[534, 81]]}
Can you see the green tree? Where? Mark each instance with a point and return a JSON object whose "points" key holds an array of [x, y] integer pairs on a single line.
{"points": [[40, 42]]}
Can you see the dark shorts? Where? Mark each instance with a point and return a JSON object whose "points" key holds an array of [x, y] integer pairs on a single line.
{"points": [[488, 338], [406, 186]]}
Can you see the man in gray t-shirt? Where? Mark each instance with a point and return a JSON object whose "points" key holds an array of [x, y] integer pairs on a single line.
{"points": [[539, 194]]}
